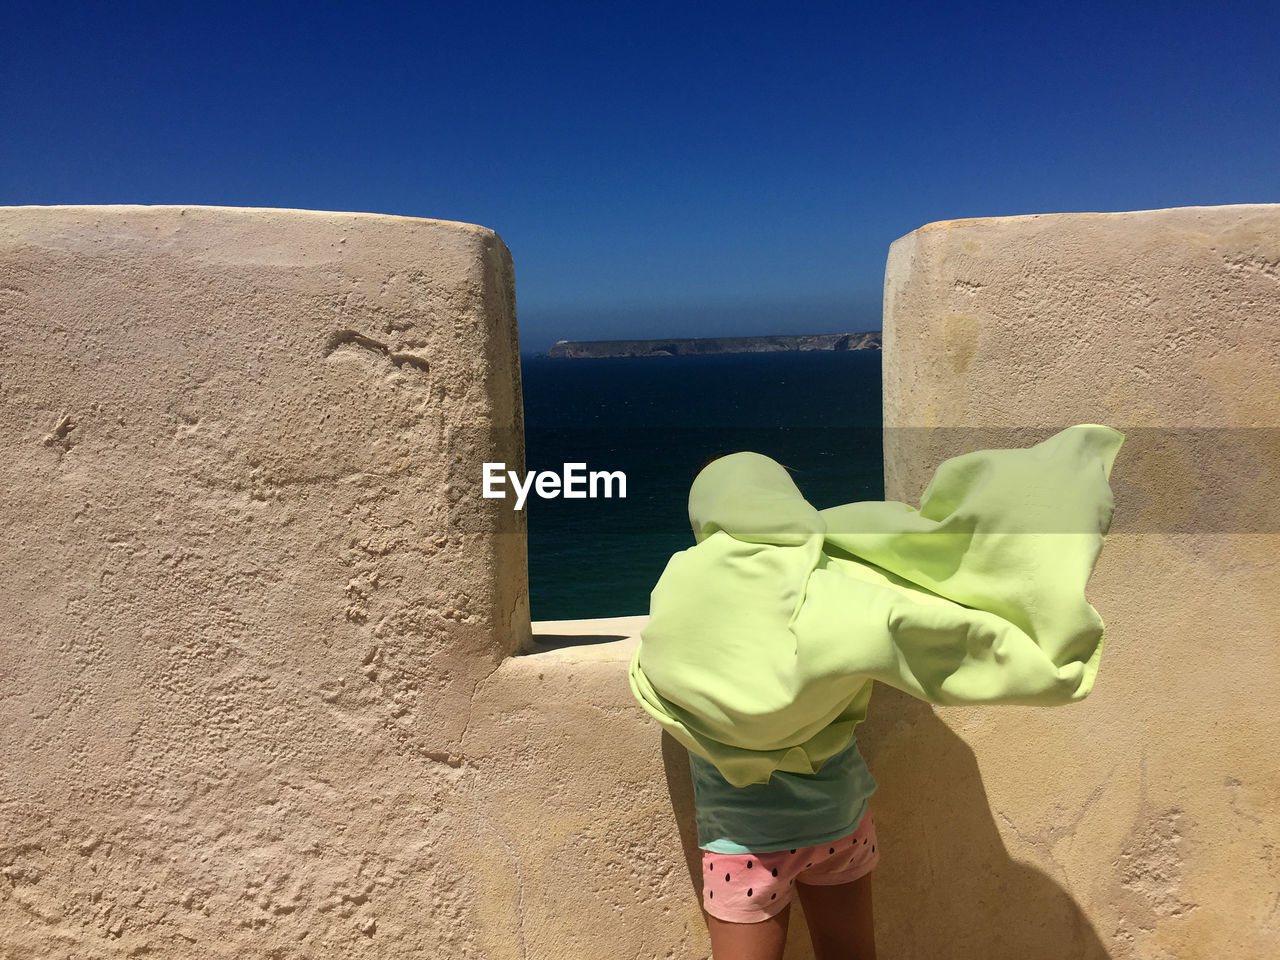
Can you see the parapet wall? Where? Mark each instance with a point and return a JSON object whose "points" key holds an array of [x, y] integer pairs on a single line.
{"points": [[260, 693], [249, 583], [1141, 822]]}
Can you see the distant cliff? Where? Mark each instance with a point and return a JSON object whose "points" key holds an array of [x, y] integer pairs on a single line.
{"points": [[689, 346]]}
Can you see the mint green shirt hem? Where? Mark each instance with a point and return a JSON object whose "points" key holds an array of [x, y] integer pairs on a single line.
{"points": [[790, 811], [729, 846]]}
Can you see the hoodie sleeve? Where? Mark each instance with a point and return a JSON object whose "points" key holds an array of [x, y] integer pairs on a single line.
{"points": [[979, 596]]}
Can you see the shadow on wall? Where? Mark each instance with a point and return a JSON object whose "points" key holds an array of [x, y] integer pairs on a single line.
{"points": [[543, 642], [944, 866]]}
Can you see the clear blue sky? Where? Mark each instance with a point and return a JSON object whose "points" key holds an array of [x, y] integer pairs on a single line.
{"points": [[657, 169]]}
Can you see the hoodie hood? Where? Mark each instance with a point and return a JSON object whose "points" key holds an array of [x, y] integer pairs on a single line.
{"points": [[752, 498]]}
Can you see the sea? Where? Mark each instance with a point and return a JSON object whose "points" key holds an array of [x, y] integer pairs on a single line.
{"points": [[658, 419]]}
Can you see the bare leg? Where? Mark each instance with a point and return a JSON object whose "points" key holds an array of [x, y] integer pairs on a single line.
{"points": [[839, 917], [749, 941]]}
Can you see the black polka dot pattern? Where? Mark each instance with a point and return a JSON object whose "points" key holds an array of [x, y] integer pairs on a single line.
{"points": [[738, 897]]}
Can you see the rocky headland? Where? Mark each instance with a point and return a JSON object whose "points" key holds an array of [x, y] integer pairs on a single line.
{"points": [[697, 346]]}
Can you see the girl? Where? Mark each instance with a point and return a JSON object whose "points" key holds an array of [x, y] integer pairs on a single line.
{"points": [[829, 848], [764, 638]]}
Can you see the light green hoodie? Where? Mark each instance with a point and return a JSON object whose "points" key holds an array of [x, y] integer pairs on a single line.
{"points": [[763, 639]]}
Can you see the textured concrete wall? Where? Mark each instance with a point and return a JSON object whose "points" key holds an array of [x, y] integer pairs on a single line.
{"points": [[249, 582], [255, 691], [581, 829], [1143, 822]]}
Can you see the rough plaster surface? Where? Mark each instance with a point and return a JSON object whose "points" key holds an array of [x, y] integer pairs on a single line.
{"points": [[1143, 822], [582, 828], [249, 583], [250, 707]]}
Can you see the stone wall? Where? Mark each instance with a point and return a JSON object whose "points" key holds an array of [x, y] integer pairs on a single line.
{"points": [[1142, 822], [250, 584], [267, 687]]}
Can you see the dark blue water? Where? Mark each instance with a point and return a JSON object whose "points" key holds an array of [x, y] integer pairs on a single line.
{"points": [[658, 419]]}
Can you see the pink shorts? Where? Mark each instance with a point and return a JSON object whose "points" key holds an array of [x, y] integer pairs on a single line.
{"points": [[750, 887]]}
